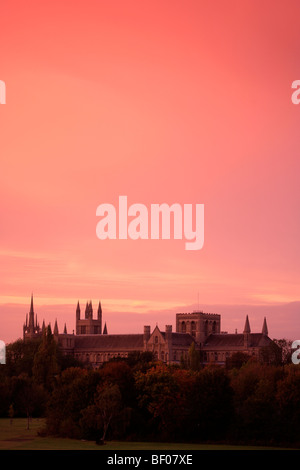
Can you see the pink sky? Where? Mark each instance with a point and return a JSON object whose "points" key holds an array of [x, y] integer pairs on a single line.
{"points": [[162, 101]]}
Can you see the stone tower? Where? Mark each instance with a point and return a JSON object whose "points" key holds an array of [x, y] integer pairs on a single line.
{"points": [[88, 325], [198, 324]]}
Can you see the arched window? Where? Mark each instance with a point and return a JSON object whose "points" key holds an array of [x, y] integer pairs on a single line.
{"points": [[183, 327], [193, 328]]}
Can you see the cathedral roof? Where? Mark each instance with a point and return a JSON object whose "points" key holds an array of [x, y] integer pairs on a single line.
{"points": [[180, 339], [109, 342], [125, 341], [236, 340]]}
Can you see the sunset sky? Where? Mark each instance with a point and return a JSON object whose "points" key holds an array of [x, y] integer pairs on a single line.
{"points": [[164, 101]]}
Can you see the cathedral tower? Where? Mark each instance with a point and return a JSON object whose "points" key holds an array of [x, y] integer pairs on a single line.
{"points": [[88, 325], [31, 328], [198, 324]]}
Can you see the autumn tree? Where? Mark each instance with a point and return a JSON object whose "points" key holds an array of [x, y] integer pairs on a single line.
{"points": [[160, 394], [212, 404], [45, 365], [288, 399], [108, 403]]}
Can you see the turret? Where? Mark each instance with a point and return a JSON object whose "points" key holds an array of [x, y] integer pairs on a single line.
{"points": [[146, 336], [265, 328], [78, 311], [55, 331], [247, 332], [99, 314]]}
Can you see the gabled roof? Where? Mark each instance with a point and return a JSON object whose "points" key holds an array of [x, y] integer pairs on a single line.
{"points": [[180, 339], [109, 342], [236, 340]]}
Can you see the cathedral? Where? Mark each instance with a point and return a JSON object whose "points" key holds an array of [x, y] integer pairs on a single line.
{"points": [[93, 345]]}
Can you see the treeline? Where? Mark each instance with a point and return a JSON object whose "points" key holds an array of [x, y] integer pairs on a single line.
{"points": [[247, 402]]}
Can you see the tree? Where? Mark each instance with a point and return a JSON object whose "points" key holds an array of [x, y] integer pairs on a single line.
{"points": [[288, 398], [285, 346], [108, 402], [20, 356], [11, 413], [160, 394], [212, 404], [28, 397], [45, 365], [237, 360], [193, 358], [74, 391], [120, 374]]}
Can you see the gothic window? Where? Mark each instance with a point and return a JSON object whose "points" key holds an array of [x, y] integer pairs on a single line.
{"points": [[156, 339], [183, 327], [193, 328]]}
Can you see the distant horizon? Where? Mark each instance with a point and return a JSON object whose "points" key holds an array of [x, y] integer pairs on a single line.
{"points": [[283, 326], [185, 103]]}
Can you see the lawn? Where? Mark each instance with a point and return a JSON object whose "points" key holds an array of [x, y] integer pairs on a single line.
{"points": [[16, 436]]}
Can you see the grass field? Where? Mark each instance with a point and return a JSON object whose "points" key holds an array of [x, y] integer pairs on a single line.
{"points": [[16, 436]]}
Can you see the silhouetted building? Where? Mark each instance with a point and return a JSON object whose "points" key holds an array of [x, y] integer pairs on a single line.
{"points": [[95, 346]]}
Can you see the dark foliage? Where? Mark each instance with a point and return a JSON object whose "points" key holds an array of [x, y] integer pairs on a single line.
{"points": [[136, 398]]}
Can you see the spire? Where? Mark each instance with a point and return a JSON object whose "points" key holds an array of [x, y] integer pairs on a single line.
{"points": [[31, 314], [55, 331], [105, 329], [99, 311], [65, 329], [265, 328], [247, 326], [78, 311], [100, 317], [87, 310], [247, 333], [31, 304]]}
